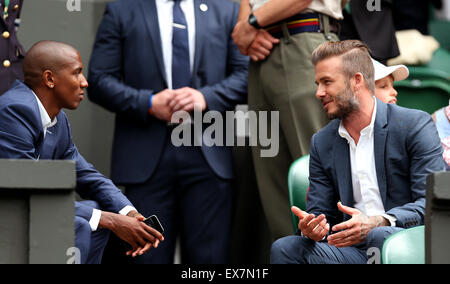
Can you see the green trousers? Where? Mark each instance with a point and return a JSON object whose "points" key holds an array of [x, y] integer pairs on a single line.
{"points": [[285, 82]]}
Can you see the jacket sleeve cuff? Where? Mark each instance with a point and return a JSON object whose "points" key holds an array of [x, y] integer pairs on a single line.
{"points": [[211, 98], [144, 99]]}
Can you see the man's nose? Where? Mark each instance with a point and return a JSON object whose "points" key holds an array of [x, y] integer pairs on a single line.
{"points": [[320, 92], [84, 84]]}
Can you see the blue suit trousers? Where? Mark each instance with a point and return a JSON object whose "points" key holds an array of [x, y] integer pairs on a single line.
{"points": [[301, 250], [91, 244], [192, 202]]}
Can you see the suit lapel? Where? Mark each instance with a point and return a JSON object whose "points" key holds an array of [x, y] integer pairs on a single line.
{"points": [[151, 18], [380, 135], [48, 145], [201, 25], [341, 158]]}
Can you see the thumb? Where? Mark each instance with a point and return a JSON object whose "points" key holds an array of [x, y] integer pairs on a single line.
{"points": [[140, 218], [347, 210], [298, 212]]}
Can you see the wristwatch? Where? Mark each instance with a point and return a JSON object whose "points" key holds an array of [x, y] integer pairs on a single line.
{"points": [[253, 21]]}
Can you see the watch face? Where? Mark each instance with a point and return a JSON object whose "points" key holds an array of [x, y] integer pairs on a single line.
{"points": [[253, 21]]}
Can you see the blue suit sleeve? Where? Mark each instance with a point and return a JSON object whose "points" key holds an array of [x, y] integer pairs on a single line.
{"points": [[232, 90], [322, 198], [18, 133], [105, 72], [92, 185], [425, 152], [84, 211]]}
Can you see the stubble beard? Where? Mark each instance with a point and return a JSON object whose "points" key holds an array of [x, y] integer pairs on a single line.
{"points": [[346, 103]]}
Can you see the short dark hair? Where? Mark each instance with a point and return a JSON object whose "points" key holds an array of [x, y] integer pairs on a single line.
{"points": [[44, 55], [355, 58]]}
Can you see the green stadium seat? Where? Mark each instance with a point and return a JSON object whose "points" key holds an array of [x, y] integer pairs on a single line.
{"points": [[428, 86], [298, 183], [439, 30], [405, 247]]}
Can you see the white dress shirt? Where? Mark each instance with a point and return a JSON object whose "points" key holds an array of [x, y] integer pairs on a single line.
{"points": [[45, 118], [47, 123], [165, 19], [366, 192]]}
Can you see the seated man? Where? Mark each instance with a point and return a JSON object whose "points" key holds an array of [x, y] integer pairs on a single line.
{"points": [[368, 166], [33, 126], [384, 81]]}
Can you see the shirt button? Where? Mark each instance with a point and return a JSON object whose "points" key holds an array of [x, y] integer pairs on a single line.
{"points": [[6, 63], [6, 35]]}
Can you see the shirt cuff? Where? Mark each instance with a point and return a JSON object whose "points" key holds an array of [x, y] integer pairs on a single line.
{"points": [[391, 219], [150, 102], [95, 219], [97, 214], [127, 209]]}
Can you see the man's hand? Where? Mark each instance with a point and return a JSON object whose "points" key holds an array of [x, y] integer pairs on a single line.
{"points": [[185, 99], [262, 45], [243, 35], [135, 214], [310, 226], [355, 230], [160, 105], [132, 230], [148, 245]]}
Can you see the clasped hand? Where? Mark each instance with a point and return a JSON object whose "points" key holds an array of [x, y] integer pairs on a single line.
{"points": [[257, 44], [133, 230], [167, 102], [348, 233]]}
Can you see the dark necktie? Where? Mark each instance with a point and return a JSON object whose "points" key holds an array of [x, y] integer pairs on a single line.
{"points": [[181, 72]]}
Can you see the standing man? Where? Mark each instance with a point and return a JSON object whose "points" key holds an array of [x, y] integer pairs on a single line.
{"points": [[373, 25], [33, 126], [368, 167], [150, 59], [279, 36], [11, 52]]}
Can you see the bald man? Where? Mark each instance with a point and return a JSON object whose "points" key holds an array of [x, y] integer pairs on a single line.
{"points": [[33, 126]]}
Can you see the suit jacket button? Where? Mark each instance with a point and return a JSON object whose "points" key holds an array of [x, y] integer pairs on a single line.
{"points": [[16, 7], [6, 35], [6, 63]]}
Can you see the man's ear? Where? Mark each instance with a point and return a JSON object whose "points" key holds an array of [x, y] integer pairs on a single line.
{"points": [[49, 79], [357, 82]]}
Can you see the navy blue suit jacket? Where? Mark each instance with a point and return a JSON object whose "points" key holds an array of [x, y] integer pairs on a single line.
{"points": [[407, 149], [127, 67], [22, 137]]}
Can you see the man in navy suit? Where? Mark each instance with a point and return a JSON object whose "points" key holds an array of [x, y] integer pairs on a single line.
{"points": [[368, 166], [151, 59], [33, 126]]}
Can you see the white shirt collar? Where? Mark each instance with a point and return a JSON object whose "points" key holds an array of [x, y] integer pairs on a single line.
{"points": [[368, 130], [45, 118]]}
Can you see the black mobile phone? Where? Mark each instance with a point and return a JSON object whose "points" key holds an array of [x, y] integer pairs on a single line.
{"points": [[153, 222]]}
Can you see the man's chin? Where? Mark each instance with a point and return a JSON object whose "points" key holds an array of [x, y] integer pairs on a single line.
{"points": [[73, 106], [332, 116]]}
